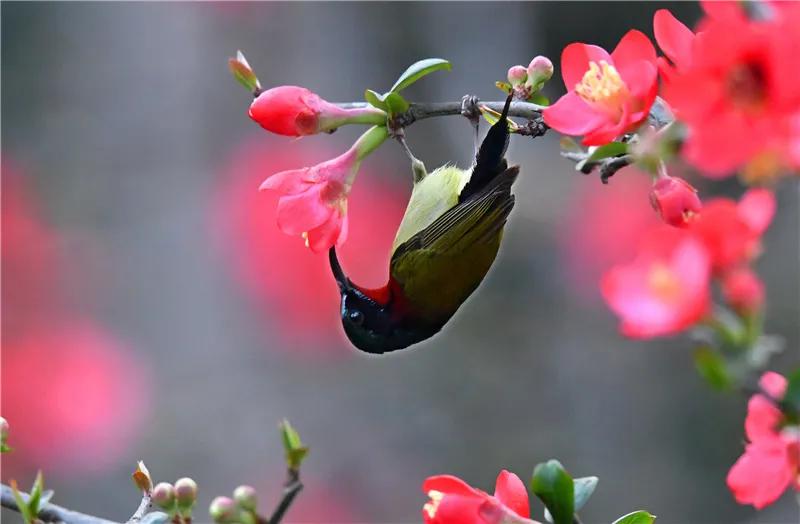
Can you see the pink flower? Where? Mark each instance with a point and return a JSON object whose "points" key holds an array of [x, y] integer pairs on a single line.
{"points": [[675, 200], [314, 201], [293, 297], [665, 290], [607, 95], [453, 501], [675, 40], [296, 111], [743, 290], [771, 461]]}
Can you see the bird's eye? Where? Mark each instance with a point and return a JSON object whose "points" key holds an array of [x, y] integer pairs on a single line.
{"points": [[356, 317]]}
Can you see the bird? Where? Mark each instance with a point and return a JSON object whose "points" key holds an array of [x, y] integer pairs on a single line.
{"points": [[445, 245]]}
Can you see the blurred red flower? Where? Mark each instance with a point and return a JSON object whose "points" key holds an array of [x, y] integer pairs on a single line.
{"points": [[771, 461], [73, 396], [732, 232], [665, 290], [607, 95], [293, 285], [453, 501], [675, 200], [734, 85], [743, 290]]}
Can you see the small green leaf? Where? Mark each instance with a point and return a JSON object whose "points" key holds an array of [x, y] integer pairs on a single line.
{"points": [[5, 448], [569, 144], [505, 87], [712, 367], [419, 69], [555, 488], [609, 150], [295, 451], [22, 506], [243, 73], [375, 99], [36, 493], [540, 99], [395, 103], [583, 489], [46, 496], [792, 395], [637, 517]]}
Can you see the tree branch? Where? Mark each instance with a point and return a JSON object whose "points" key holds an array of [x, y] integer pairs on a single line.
{"points": [[293, 487], [51, 512], [421, 111]]}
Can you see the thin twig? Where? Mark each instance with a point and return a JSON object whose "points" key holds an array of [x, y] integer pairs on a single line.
{"points": [[144, 505], [293, 487], [51, 512]]}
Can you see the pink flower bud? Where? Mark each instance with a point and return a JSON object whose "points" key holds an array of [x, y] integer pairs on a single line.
{"points": [[517, 75], [3, 429], [223, 510], [675, 200], [245, 496], [540, 69], [185, 492], [743, 290], [163, 496], [296, 111]]}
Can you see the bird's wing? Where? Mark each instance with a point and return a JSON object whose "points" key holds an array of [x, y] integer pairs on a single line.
{"points": [[441, 265]]}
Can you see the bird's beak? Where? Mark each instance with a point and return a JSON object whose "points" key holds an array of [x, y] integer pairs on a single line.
{"points": [[341, 279]]}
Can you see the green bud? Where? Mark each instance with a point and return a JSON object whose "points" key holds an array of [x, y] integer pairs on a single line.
{"points": [[4, 435], [540, 71], [223, 510], [517, 75], [163, 496], [185, 493], [246, 497]]}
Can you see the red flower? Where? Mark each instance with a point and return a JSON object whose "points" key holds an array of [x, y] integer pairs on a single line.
{"points": [[453, 501], [314, 201], [296, 298], [771, 461], [675, 200], [735, 89], [665, 290], [731, 232], [296, 111], [607, 95], [78, 379], [743, 290]]}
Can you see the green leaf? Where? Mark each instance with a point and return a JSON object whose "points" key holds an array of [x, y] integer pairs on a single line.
{"points": [[375, 99], [36, 493], [609, 150], [583, 489], [540, 99], [46, 496], [505, 87], [792, 395], [295, 451], [395, 103], [22, 506], [243, 73], [637, 517], [569, 144], [555, 488], [419, 69], [712, 367]]}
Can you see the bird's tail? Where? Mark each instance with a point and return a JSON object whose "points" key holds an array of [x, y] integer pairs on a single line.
{"points": [[490, 160]]}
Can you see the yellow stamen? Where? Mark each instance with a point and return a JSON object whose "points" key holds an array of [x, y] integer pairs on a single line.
{"points": [[601, 85], [431, 507], [663, 282], [305, 237]]}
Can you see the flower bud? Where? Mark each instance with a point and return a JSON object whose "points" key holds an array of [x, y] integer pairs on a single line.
{"points": [[3, 429], [245, 496], [185, 493], [743, 290], [675, 200], [540, 70], [223, 510], [163, 496], [296, 111], [517, 75]]}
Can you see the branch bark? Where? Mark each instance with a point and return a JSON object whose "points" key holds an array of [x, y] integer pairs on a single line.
{"points": [[51, 512]]}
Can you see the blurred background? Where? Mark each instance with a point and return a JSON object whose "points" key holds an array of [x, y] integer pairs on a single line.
{"points": [[152, 309]]}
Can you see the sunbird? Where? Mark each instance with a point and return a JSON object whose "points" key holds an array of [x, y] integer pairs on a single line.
{"points": [[445, 245]]}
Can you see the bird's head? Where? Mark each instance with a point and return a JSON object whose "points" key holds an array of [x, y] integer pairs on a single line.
{"points": [[372, 324]]}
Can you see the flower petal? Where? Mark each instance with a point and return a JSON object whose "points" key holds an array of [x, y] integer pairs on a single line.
{"points": [[510, 490], [303, 212], [322, 238], [761, 474], [756, 208], [448, 484], [762, 420], [572, 116], [289, 182], [633, 47], [609, 130], [575, 62], [774, 383], [673, 37]]}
